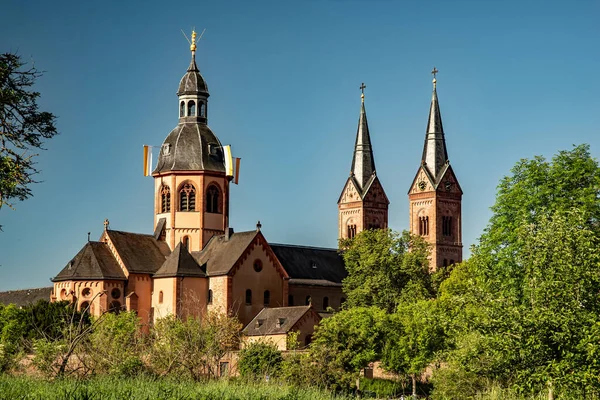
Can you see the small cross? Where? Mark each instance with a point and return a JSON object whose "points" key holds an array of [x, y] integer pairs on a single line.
{"points": [[434, 72], [106, 224], [363, 87]]}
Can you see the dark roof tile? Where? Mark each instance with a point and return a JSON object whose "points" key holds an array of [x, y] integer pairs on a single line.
{"points": [[311, 263], [141, 254], [24, 297], [220, 255], [179, 263], [273, 321], [94, 261]]}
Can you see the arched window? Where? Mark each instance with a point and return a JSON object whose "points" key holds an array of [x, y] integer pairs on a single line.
{"points": [[114, 307], [248, 296], [445, 263], [210, 296], [182, 109], [290, 300], [212, 199], [160, 297], [191, 108], [308, 300], [423, 226], [451, 262], [351, 231], [84, 307], [446, 225], [63, 294], [267, 299], [325, 303], [186, 242], [165, 199], [187, 198], [202, 110], [307, 340]]}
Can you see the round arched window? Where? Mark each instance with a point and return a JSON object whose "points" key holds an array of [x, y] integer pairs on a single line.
{"points": [[63, 294], [114, 306], [115, 293], [87, 292], [84, 307], [258, 265]]}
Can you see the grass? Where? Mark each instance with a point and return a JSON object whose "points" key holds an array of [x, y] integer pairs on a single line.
{"points": [[143, 388]]}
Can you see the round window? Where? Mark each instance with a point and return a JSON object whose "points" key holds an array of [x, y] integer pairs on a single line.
{"points": [[87, 292], [115, 293], [258, 265]]}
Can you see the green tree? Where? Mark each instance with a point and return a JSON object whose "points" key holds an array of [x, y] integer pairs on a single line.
{"points": [[259, 360], [346, 343], [382, 271], [523, 311], [23, 128], [413, 338]]}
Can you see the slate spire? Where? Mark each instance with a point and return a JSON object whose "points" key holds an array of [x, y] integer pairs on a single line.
{"points": [[435, 155], [363, 162]]}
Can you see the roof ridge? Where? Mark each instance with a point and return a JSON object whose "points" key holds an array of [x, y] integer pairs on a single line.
{"points": [[301, 246]]}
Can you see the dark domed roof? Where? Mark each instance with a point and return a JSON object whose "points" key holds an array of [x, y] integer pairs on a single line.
{"points": [[190, 147], [192, 82]]}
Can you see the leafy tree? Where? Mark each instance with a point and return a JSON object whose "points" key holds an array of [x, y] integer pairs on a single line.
{"points": [[346, 343], [259, 359], [115, 345], [23, 128], [382, 271], [193, 346], [523, 311], [413, 337]]}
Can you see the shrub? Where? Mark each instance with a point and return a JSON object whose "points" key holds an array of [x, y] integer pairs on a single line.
{"points": [[259, 359]]}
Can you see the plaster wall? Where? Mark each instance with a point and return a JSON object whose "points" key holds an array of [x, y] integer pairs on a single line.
{"points": [[141, 284], [221, 293], [317, 294], [258, 282]]}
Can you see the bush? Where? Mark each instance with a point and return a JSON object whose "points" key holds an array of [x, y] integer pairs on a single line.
{"points": [[259, 359]]}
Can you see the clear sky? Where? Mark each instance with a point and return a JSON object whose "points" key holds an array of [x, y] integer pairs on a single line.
{"points": [[517, 79]]}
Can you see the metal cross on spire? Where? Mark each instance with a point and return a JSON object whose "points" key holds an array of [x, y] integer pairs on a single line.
{"points": [[362, 89], [434, 73]]}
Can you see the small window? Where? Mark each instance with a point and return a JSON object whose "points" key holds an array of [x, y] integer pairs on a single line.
{"points": [[84, 307], [258, 265], [187, 198], [203, 110], [446, 225], [191, 108], [115, 293], [114, 307], [182, 109], [186, 242], [445, 263], [248, 297], [210, 296], [160, 297], [63, 294], [308, 300], [166, 149], [451, 262], [212, 199], [423, 226], [267, 299], [87, 292], [290, 300], [165, 199], [325, 303], [351, 231]]}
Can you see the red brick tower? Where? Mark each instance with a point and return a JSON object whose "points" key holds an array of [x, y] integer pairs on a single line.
{"points": [[435, 196]]}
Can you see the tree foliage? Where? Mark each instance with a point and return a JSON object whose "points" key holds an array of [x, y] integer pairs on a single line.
{"points": [[259, 360], [23, 128], [524, 310], [382, 272]]}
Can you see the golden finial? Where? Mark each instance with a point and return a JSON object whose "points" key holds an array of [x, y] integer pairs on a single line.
{"points": [[193, 42], [434, 73], [362, 89]]}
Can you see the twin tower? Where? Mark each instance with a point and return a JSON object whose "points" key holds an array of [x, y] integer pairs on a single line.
{"points": [[192, 187], [434, 195]]}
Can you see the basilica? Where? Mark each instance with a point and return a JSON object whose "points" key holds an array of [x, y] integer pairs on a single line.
{"points": [[194, 262]]}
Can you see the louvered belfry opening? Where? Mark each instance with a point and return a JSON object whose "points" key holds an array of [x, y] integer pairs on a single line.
{"points": [[187, 198]]}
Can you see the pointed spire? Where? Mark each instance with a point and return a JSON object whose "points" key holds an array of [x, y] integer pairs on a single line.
{"points": [[363, 162], [435, 154]]}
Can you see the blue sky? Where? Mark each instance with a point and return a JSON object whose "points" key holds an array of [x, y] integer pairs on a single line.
{"points": [[517, 79]]}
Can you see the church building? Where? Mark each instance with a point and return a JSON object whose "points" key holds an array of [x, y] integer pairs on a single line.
{"points": [[195, 263]]}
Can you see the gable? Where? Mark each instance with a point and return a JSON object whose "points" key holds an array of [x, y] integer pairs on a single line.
{"points": [[448, 183], [350, 193], [375, 193], [422, 182]]}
